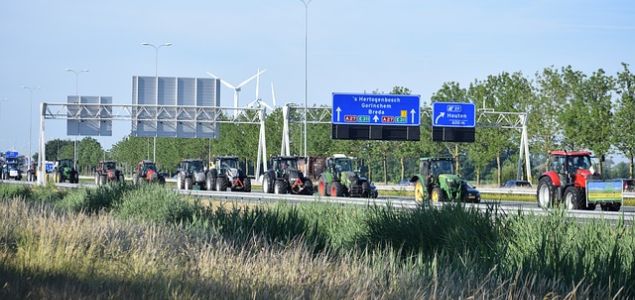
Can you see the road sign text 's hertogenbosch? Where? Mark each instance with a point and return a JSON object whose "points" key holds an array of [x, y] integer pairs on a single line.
{"points": [[453, 114], [372, 109]]}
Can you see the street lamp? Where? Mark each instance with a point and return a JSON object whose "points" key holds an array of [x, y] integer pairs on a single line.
{"points": [[76, 72], [156, 76], [31, 90], [306, 67]]}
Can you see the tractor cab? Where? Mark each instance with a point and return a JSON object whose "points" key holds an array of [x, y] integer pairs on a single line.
{"points": [[282, 164], [108, 165], [434, 167], [192, 166], [227, 162]]}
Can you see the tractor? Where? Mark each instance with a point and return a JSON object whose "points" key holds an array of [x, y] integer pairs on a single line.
{"points": [[225, 172], [284, 177], [570, 178], [107, 172], [146, 171], [437, 182], [339, 179], [64, 171], [11, 170], [191, 172]]}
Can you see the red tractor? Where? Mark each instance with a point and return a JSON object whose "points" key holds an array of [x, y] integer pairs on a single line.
{"points": [[146, 171], [107, 172], [571, 179]]}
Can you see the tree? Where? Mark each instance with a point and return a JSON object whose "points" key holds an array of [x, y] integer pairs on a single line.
{"points": [[53, 148], [624, 121], [91, 153]]}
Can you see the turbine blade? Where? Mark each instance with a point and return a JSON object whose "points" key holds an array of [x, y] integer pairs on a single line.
{"points": [[250, 78], [273, 95]]}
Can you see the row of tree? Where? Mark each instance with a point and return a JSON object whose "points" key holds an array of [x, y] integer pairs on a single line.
{"points": [[567, 109]]}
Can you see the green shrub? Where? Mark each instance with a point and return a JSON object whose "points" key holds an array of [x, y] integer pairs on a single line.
{"points": [[155, 204], [10, 191], [94, 200]]}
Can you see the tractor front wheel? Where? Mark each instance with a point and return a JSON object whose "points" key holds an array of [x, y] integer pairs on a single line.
{"points": [[247, 185], [438, 195], [280, 187], [188, 184], [336, 189], [573, 198], [308, 186]]}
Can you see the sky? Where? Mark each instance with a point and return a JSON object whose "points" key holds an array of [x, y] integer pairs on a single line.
{"points": [[354, 46]]}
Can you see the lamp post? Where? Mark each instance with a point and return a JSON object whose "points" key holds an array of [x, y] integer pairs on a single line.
{"points": [[76, 72], [306, 67], [31, 90], [156, 76]]}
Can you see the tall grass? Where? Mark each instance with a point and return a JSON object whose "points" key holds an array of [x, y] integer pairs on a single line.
{"points": [[150, 242], [49, 254]]}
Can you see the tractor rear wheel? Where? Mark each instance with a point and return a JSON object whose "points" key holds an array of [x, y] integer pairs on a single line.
{"points": [[573, 198], [247, 184], [545, 193], [266, 184], [209, 183], [336, 189], [419, 192]]}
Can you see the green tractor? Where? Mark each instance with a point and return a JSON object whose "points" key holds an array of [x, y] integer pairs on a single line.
{"points": [[437, 182], [64, 171], [339, 179]]}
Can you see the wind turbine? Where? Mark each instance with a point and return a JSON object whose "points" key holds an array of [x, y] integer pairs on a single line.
{"points": [[259, 102], [237, 88]]}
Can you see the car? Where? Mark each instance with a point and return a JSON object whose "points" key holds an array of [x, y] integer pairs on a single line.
{"points": [[517, 184], [473, 195]]}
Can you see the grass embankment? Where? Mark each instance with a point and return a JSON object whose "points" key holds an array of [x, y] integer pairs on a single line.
{"points": [[126, 242]]}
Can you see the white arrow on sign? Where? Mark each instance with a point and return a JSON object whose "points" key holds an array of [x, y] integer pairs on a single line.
{"points": [[376, 119], [338, 110], [441, 115], [412, 114]]}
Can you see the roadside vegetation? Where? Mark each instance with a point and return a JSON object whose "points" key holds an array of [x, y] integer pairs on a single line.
{"points": [[149, 242]]}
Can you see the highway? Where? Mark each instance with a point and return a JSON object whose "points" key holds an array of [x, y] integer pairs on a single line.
{"points": [[506, 207]]}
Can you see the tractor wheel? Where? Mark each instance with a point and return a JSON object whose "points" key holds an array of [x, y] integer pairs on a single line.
{"points": [[121, 179], [135, 179], [438, 195], [97, 183], [336, 189], [221, 184], [103, 179], [611, 206], [308, 186], [266, 184], [420, 191], [322, 187], [209, 184], [365, 189], [162, 180], [179, 182], [545, 193], [573, 198], [247, 185], [280, 187], [188, 184]]}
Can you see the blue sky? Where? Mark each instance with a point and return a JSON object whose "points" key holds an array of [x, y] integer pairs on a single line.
{"points": [[354, 46]]}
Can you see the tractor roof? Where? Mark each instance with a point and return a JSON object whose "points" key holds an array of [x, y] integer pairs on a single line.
{"points": [[191, 160], [435, 158], [226, 157], [284, 157], [570, 153], [146, 162], [339, 156]]}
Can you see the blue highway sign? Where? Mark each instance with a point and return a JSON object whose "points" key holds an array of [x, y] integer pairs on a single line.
{"points": [[11, 154], [453, 114], [373, 109]]}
